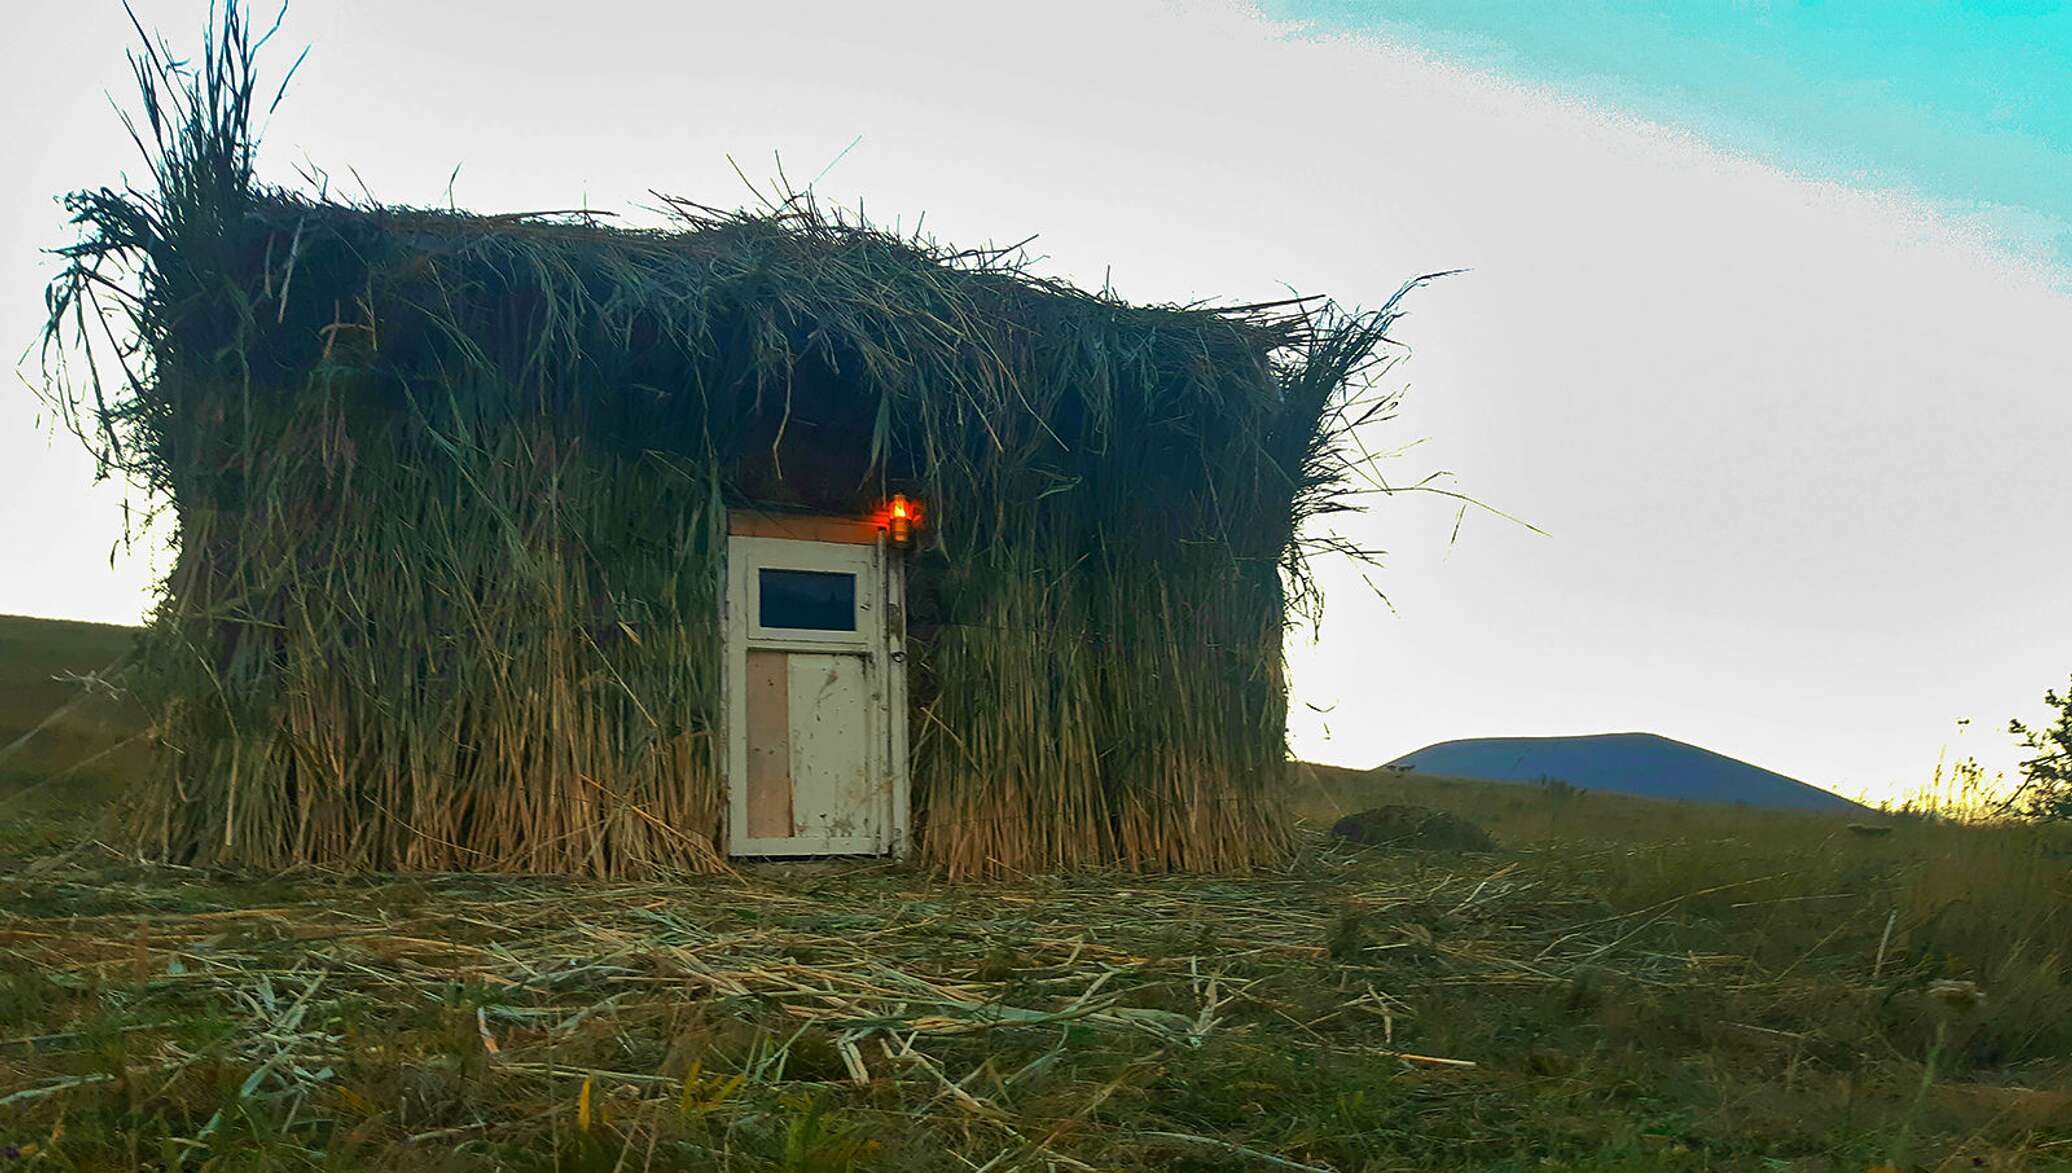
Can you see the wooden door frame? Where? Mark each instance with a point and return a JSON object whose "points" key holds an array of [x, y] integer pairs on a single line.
{"points": [[880, 642]]}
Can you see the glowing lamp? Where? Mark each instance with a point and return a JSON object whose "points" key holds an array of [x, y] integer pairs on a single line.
{"points": [[901, 517]]}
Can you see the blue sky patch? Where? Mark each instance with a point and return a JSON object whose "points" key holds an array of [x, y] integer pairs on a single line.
{"points": [[1965, 106]]}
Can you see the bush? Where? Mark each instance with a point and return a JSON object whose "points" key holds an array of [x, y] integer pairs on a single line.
{"points": [[2046, 791], [1413, 826]]}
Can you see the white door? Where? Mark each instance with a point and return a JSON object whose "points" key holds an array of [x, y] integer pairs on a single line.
{"points": [[816, 704]]}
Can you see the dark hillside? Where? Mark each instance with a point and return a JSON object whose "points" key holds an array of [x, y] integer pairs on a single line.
{"points": [[1642, 764]]}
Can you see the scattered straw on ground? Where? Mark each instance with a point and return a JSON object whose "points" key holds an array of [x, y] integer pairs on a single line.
{"points": [[862, 1013]]}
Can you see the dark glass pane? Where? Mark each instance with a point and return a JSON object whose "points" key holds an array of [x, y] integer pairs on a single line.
{"points": [[811, 600]]}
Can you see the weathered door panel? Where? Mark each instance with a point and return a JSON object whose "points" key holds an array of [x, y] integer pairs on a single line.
{"points": [[768, 778], [837, 791]]}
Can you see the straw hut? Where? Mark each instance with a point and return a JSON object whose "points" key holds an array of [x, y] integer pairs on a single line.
{"points": [[533, 543]]}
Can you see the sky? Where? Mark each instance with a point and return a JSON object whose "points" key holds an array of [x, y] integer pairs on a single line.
{"points": [[1763, 327], [1968, 105]]}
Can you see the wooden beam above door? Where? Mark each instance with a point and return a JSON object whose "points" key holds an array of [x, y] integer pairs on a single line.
{"points": [[802, 527]]}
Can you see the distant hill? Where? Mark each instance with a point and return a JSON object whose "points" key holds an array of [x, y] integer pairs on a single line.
{"points": [[1622, 763]]}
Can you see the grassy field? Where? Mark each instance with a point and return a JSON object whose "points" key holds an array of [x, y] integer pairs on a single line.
{"points": [[67, 745], [1622, 984]]}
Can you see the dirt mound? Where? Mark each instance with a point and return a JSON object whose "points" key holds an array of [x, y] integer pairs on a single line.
{"points": [[1412, 826]]}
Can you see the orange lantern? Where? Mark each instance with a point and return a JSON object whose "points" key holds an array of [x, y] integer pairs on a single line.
{"points": [[901, 518]]}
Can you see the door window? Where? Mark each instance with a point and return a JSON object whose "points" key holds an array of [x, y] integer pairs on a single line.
{"points": [[805, 600]]}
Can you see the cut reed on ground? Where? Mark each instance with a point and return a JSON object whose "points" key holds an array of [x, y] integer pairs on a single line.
{"points": [[1624, 984]]}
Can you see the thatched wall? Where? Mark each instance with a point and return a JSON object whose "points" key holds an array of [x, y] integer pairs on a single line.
{"points": [[448, 491]]}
